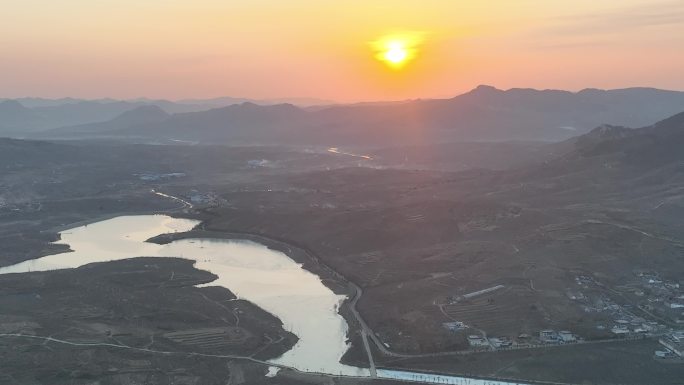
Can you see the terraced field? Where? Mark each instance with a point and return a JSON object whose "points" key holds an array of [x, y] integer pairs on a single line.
{"points": [[486, 312], [210, 338]]}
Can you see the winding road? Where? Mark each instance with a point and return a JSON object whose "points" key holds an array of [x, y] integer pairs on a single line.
{"points": [[147, 350], [185, 203]]}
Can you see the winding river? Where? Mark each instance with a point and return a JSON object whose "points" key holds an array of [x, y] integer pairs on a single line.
{"points": [[265, 277]]}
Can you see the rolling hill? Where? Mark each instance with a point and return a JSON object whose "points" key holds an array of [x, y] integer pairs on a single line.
{"points": [[483, 114]]}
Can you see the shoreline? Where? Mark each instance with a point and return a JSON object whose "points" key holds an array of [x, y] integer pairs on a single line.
{"points": [[103, 217], [331, 279], [309, 261]]}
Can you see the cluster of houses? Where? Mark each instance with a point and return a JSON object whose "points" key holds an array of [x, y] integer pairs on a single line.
{"points": [[635, 325], [500, 342], [674, 345], [663, 294], [545, 337], [549, 336], [476, 341]]}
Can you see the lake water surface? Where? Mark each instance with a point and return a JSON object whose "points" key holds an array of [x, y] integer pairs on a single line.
{"points": [[265, 277]]}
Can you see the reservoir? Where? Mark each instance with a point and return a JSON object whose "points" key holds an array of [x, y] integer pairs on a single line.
{"points": [[265, 277]]}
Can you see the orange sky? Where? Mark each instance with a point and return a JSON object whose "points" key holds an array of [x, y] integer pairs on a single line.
{"points": [[316, 48]]}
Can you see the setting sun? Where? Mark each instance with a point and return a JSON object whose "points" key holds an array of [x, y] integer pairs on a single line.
{"points": [[396, 53], [397, 50]]}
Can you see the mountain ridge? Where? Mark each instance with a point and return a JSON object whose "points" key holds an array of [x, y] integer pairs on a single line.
{"points": [[482, 114]]}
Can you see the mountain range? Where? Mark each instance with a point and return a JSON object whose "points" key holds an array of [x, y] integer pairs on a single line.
{"points": [[482, 114], [19, 117]]}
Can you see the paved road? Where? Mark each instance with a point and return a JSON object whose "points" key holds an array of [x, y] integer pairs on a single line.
{"points": [[371, 362], [109, 345], [366, 329], [185, 203]]}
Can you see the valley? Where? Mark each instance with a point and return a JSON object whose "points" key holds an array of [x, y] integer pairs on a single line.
{"points": [[567, 253]]}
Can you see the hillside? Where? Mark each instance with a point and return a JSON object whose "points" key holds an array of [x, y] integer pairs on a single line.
{"points": [[137, 116], [483, 114], [14, 117]]}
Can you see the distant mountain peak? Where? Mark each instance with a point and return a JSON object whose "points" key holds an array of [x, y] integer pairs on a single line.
{"points": [[141, 115], [150, 108], [656, 144], [590, 91], [149, 112], [262, 106], [484, 89], [12, 105], [601, 134], [481, 91], [248, 105]]}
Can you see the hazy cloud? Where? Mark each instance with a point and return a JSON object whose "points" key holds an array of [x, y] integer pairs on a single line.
{"points": [[655, 14]]}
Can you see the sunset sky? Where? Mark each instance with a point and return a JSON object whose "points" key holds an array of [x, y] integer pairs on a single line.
{"points": [[314, 48]]}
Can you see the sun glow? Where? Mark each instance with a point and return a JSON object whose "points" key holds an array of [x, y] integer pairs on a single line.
{"points": [[396, 53], [397, 50]]}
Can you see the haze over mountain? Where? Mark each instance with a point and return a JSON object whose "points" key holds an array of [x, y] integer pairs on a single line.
{"points": [[226, 101], [18, 120], [483, 114], [23, 115], [15, 117], [652, 146], [639, 167], [137, 116]]}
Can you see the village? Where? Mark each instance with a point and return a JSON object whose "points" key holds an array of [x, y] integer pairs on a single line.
{"points": [[650, 307]]}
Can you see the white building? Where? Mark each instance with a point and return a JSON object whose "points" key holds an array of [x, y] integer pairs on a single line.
{"points": [[566, 336], [477, 341], [674, 342], [548, 336]]}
